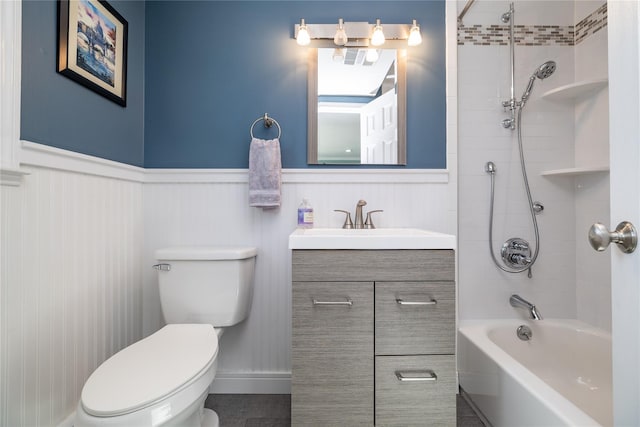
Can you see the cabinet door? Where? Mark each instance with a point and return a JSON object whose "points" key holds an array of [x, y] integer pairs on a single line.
{"points": [[415, 318], [332, 355], [415, 391]]}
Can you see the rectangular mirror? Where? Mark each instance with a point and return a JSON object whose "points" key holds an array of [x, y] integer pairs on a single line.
{"points": [[357, 106]]}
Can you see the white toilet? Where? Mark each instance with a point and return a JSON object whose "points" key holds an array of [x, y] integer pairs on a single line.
{"points": [[164, 379]]}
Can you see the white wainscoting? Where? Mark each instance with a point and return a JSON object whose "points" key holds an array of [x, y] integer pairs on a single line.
{"points": [[70, 289], [78, 235], [256, 353]]}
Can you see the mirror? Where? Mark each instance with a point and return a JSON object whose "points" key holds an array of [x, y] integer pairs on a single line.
{"points": [[357, 106]]}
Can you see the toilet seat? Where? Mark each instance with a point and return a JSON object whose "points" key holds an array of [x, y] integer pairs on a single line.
{"points": [[150, 370]]}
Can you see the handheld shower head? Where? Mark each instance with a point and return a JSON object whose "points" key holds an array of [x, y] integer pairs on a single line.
{"points": [[542, 72], [545, 70]]}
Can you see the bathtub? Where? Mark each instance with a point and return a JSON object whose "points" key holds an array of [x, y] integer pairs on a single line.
{"points": [[561, 377]]}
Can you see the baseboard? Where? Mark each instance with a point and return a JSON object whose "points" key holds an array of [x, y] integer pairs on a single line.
{"points": [[252, 383]]}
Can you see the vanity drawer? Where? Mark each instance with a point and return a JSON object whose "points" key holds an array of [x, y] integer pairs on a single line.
{"points": [[414, 318], [332, 354], [372, 265], [415, 390]]}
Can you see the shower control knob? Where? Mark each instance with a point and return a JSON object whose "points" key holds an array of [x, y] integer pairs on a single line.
{"points": [[625, 236]]}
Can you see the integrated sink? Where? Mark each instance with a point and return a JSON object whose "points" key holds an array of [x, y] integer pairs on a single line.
{"points": [[378, 238]]}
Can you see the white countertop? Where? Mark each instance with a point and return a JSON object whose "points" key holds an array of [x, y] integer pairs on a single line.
{"points": [[378, 238]]}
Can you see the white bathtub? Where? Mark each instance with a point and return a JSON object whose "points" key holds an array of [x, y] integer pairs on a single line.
{"points": [[561, 377]]}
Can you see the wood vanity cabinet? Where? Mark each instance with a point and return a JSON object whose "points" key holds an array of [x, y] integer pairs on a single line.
{"points": [[373, 338]]}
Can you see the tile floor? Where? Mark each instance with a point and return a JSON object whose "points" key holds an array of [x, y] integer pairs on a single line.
{"points": [[274, 410]]}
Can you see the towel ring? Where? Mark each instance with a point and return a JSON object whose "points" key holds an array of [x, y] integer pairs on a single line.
{"points": [[268, 122]]}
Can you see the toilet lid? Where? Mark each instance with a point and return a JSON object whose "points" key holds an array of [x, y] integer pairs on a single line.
{"points": [[205, 253], [150, 369]]}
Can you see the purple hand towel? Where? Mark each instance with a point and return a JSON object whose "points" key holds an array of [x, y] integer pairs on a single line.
{"points": [[265, 173]]}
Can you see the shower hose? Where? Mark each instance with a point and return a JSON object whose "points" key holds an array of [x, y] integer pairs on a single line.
{"points": [[531, 209]]}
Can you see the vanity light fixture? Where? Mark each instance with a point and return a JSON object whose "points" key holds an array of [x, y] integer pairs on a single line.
{"points": [[340, 38], [377, 38], [356, 34], [415, 38], [303, 37]]}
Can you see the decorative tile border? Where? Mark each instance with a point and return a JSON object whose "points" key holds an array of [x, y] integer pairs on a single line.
{"points": [[525, 35], [534, 35], [590, 25]]}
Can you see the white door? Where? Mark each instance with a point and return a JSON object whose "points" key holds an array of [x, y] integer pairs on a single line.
{"points": [[379, 130], [624, 137]]}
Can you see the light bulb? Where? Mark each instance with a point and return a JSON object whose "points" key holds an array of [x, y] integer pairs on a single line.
{"points": [[415, 38], [377, 38], [372, 55], [303, 38], [340, 38]]}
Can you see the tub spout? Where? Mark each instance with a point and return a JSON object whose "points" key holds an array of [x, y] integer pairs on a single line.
{"points": [[519, 302]]}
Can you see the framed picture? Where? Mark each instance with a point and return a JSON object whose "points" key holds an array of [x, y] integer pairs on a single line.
{"points": [[92, 47]]}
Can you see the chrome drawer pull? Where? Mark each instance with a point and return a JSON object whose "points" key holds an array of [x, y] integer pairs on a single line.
{"points": [[430, 376], [348, 302], [403, 302]]}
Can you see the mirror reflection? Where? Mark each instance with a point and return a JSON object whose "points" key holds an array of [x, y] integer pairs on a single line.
{"points": [[356, 107]]}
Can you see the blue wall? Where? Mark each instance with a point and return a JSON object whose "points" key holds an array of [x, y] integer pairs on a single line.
{"points": [[200, 72], [212, 68], [58, 112]]}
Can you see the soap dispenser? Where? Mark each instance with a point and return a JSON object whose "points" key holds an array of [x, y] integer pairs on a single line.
{"points": [[305, 215]]}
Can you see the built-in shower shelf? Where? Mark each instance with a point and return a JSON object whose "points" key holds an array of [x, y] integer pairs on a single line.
{"points": [[576, 171], [572, 91]]}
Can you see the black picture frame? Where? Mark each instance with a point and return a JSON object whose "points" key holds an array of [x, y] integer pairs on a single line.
{"points": [[92, 47]]}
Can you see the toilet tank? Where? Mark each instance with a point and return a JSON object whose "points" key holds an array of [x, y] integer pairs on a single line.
{"points": [[206, 284]]}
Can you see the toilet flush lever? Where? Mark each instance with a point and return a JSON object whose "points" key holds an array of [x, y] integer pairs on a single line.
{"points": [[162, 267]]}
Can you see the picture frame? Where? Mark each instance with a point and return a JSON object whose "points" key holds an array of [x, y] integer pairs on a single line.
{"points": [[92, 47]]}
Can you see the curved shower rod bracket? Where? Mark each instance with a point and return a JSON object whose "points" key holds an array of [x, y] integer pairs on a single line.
{"points": [[464, 10]]}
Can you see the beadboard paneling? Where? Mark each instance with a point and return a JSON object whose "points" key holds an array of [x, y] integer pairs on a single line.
{"points": [[218, 214], [70, 290]]}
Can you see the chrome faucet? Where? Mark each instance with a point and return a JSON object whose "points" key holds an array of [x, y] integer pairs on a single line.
{"points": [[519, 302], [359, 219]]}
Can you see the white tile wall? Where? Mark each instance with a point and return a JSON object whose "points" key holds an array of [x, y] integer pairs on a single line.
{"points": [[70, 292], [528, 12], [593, 270], [484, 79], [570, 280]]}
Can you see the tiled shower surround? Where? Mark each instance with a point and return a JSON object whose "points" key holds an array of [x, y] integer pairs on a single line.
{"points": [[569, 279], [533, 35]]}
